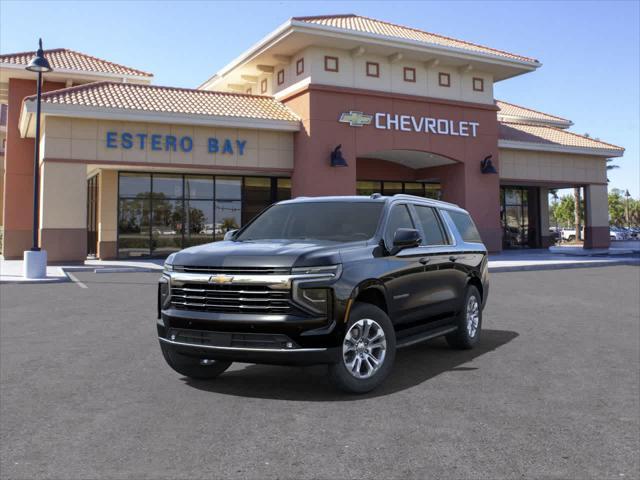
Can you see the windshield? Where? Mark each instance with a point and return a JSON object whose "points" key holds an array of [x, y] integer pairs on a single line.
{"points": [[332, 221]]}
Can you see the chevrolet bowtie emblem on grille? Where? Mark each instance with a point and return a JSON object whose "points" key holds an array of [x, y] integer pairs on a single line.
{"points": [[356, 119], [221, 279]]}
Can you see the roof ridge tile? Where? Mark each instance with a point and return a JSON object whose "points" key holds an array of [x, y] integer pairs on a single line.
{"points": [[533, 110]]}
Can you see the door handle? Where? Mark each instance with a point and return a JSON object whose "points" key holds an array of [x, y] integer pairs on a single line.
{"points": [[424, 260], [453, 258]]}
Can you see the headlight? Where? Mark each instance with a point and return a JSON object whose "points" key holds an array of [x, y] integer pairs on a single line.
{"points": [[168, 263], [329, 270], [314, 299]]}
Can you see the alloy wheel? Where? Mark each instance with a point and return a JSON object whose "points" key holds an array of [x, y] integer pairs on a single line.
{"points": [[473, 316], [364, 348]]}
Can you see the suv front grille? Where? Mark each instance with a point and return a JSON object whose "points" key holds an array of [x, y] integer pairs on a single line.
{"points": [[233, 270], [230, 298]]}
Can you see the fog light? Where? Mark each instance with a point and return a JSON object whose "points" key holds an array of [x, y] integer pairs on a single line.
{"points": [[206, 361], [173, 336], [289, 345]]}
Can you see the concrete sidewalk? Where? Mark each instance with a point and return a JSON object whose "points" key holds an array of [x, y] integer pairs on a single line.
{"points": [[11, 270], [507, 261]]}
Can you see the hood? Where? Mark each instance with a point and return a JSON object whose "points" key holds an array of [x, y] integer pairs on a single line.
{"points": [[266, 253]]}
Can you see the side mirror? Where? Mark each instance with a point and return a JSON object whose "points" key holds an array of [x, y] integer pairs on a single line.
{"points": [[230, 234], [405, 238]]}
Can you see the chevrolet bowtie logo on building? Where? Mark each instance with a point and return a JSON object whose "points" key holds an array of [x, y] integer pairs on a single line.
{"points": [[221, 279], [356, 119]]}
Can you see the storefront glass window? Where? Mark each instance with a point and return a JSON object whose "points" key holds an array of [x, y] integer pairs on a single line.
{"points": [[283, 189], [162, 213], [133, 226], [420, 189], [256, 196], [368, 188]]}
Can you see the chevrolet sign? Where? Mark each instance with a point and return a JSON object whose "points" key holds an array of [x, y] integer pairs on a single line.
{"points": [[355, 119]]}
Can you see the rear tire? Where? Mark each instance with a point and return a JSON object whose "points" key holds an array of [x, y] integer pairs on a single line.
{"points": [[367, 352], [191, 366], [469, 322]]}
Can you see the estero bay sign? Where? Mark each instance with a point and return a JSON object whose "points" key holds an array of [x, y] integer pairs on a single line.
{"points": [[411, 123], [171, 143]]}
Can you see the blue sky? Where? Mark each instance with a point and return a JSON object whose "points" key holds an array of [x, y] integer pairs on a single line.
{"points": [[589, 50]]}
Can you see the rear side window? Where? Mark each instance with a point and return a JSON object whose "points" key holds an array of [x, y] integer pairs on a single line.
{"points": [[433, 234], [466, 227], [398, 218]]}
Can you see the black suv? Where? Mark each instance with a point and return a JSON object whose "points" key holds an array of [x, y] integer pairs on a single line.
{"points": [[343, 281]]}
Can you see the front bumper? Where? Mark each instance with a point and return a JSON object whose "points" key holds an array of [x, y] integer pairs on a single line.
{"points": [[243, 347]]}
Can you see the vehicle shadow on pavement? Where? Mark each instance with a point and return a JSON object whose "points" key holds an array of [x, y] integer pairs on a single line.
{"points": [[414, 365]]}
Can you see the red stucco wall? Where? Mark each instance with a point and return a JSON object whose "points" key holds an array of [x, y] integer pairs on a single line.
{"points": [[462, 183]]}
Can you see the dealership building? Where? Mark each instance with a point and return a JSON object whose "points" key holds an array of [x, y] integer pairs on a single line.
{"points": [[331, 105]]}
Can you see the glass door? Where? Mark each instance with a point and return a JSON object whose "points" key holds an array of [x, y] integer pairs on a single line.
{"points": [[92, 216]]}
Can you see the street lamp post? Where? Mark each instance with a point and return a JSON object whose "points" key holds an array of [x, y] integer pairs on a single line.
{"points": [[626, 208], [35, 260]]}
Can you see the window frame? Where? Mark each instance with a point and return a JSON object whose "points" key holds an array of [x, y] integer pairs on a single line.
{"points": [[377, 67], [447, 237], [263, 85], [480, 82], [407, 70], [387, 219], [280, 76], [443, 75], [300, 66], [327, 59]]}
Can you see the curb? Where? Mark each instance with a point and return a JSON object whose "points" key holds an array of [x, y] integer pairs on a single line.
{"points": [[563, 266]]}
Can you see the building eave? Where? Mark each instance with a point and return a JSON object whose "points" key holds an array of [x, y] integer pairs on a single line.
{"points": [[532, 121], [541, 147], [129, 115], [296, 26]]}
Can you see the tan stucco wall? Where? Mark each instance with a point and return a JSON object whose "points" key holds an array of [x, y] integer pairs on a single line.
{"points": [[552, 167], [80, 139], [597, 211], [108, 206], [352, 74], [63, 195]]}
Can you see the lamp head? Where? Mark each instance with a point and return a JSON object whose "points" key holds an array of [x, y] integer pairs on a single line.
{"points": [[39, 62], [337, 160]]}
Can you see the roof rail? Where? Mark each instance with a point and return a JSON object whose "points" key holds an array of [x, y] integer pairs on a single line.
{"points": [[375, 195], [415, 197]]}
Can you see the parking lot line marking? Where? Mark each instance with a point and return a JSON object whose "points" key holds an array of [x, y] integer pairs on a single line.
{"points": [[75, 280]]}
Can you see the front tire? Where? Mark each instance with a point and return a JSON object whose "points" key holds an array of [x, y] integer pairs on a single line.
{"points": [[193, 367], [469, 322], [368, 350]]}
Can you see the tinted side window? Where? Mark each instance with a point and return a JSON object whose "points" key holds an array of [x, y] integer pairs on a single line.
{"points": [[399, 217], [433, 234], [466, 227]]}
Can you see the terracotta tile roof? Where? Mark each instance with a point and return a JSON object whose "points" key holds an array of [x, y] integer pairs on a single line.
{"points": [[65, 59], [370, 25], [152, 98], [517, 132], [513, 110]]}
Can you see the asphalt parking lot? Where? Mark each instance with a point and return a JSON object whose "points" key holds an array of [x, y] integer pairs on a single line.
{"points": [[552, 392]]}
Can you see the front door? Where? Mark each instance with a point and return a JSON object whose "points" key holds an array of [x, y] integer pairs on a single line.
{"points": [[92, 216]]}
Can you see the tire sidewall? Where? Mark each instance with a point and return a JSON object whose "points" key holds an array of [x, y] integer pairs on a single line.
{"points": [[339, 372]]}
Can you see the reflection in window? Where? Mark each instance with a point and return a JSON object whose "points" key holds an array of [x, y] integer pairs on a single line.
{"points": [[166, 227], [368, 188], [391, 188], [133, 227], [198, 187], [283, 189], [256, 196], [135, 184], [228, 217], [167, 186], [228, 188], [199, 222]]}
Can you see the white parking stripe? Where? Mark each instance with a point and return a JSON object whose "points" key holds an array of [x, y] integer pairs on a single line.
{"points": [[75, 280]]}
